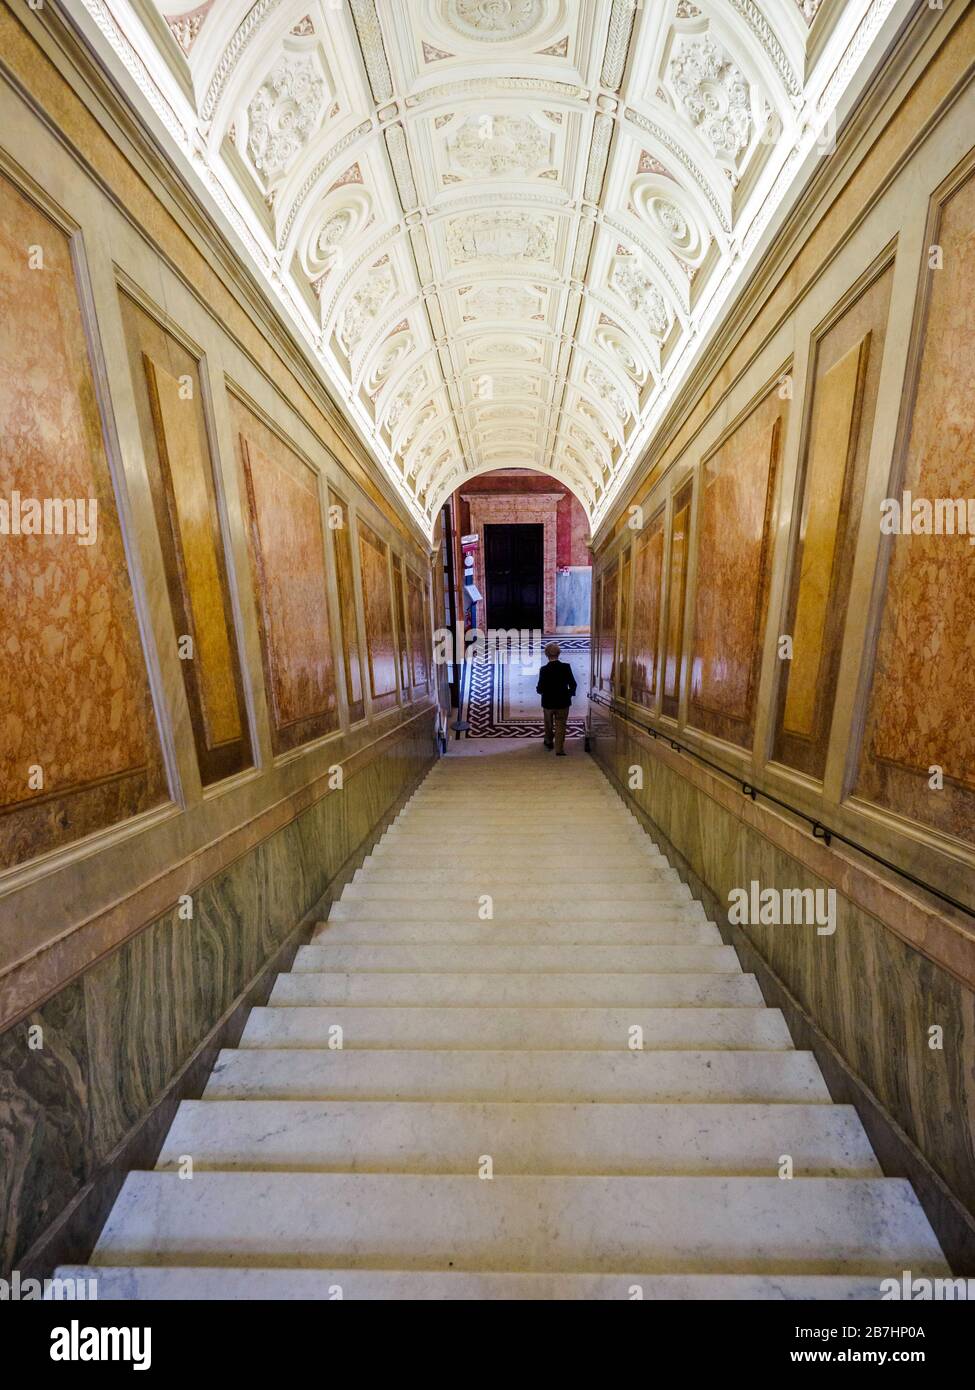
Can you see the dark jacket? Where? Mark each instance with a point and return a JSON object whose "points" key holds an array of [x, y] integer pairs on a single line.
{"points": [[556, 685]]}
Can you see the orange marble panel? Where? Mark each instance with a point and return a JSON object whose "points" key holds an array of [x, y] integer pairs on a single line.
{"points": [[74, 691], [351, 658], [607, 627], [402, 635], [845, 372], [175, 439], [738, 489], [833, 438], [597, 639], [288, 558], [647, 581], [378, 603], [680, 538], [428, 629], [922, 709], [179, 439], [621, 665], [418, 630]]}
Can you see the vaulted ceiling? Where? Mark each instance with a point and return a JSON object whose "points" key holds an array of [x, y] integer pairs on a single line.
{"points": [[503, 227]]}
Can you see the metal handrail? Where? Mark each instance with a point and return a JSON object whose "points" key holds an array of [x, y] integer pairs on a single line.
{"points": [[819, 830]]}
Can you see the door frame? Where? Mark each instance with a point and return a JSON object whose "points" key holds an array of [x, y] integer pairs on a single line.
{"points": [[517, 509]]}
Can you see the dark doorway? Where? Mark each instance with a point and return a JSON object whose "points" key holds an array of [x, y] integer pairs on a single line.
{"points": [[513, 561]]}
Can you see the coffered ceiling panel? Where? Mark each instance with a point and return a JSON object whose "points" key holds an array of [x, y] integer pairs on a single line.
{"points": [[503, 227]]}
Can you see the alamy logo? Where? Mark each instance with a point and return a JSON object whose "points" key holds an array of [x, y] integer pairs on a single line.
{"points": [[908, 515], [926, 1290], [77, 1343], [756, 906], [17, 1289], [508, 645], [50, 516]]}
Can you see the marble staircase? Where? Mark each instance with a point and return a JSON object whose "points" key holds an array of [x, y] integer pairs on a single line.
{"points": [[488, 967]]}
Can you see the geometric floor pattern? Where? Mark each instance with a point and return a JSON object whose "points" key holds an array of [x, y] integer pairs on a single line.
{"points": [[500, 699]]}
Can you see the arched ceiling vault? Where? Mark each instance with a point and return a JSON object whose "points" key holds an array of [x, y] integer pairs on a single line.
{"points": [[502, 226]]}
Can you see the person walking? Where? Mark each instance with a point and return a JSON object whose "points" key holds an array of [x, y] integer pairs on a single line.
{"points": [[556, 685]]}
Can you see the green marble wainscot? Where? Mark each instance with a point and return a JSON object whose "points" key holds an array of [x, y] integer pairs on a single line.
{"points": [[46, 1153], [115, 1039], [869, 993]]}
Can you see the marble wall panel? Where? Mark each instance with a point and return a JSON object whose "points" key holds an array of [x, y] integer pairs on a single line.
{"points": [[648, 573], [345, 575], [846, 369], [75, 701], [680, 541], [402, 631], [419, 662], [621, 665], [829, 454], [432, 596], [378, 601], [169, 400], [573, 599], [871, 993], [734, 547], [45, 1119], [288, 562], [142, 1021], [607, 627], [922, 706]]}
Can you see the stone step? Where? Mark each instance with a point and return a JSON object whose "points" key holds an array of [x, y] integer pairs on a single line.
{"points": [[533, 1224], [459, 823], [525, 990], [518, 807], [520, 857], [444, 818], [517, 1028], [622, 842], [148, 1282], [543, 911], [439, 1137], [506, 880], [529, 933], [517, 799], [605, 822], [523, 769], [448, 890], [478, 1075], [507, 826], [331, 953]]}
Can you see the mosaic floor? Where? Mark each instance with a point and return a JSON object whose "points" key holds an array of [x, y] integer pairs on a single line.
{"points": [[500, 699]]}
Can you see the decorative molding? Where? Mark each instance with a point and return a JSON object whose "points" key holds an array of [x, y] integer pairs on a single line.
{"points": [[283, 113], [185, 28], [399, 158], [677, 149], [373, 50], [618, 43], [765, 34], [243, 35], [315, 176]]}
